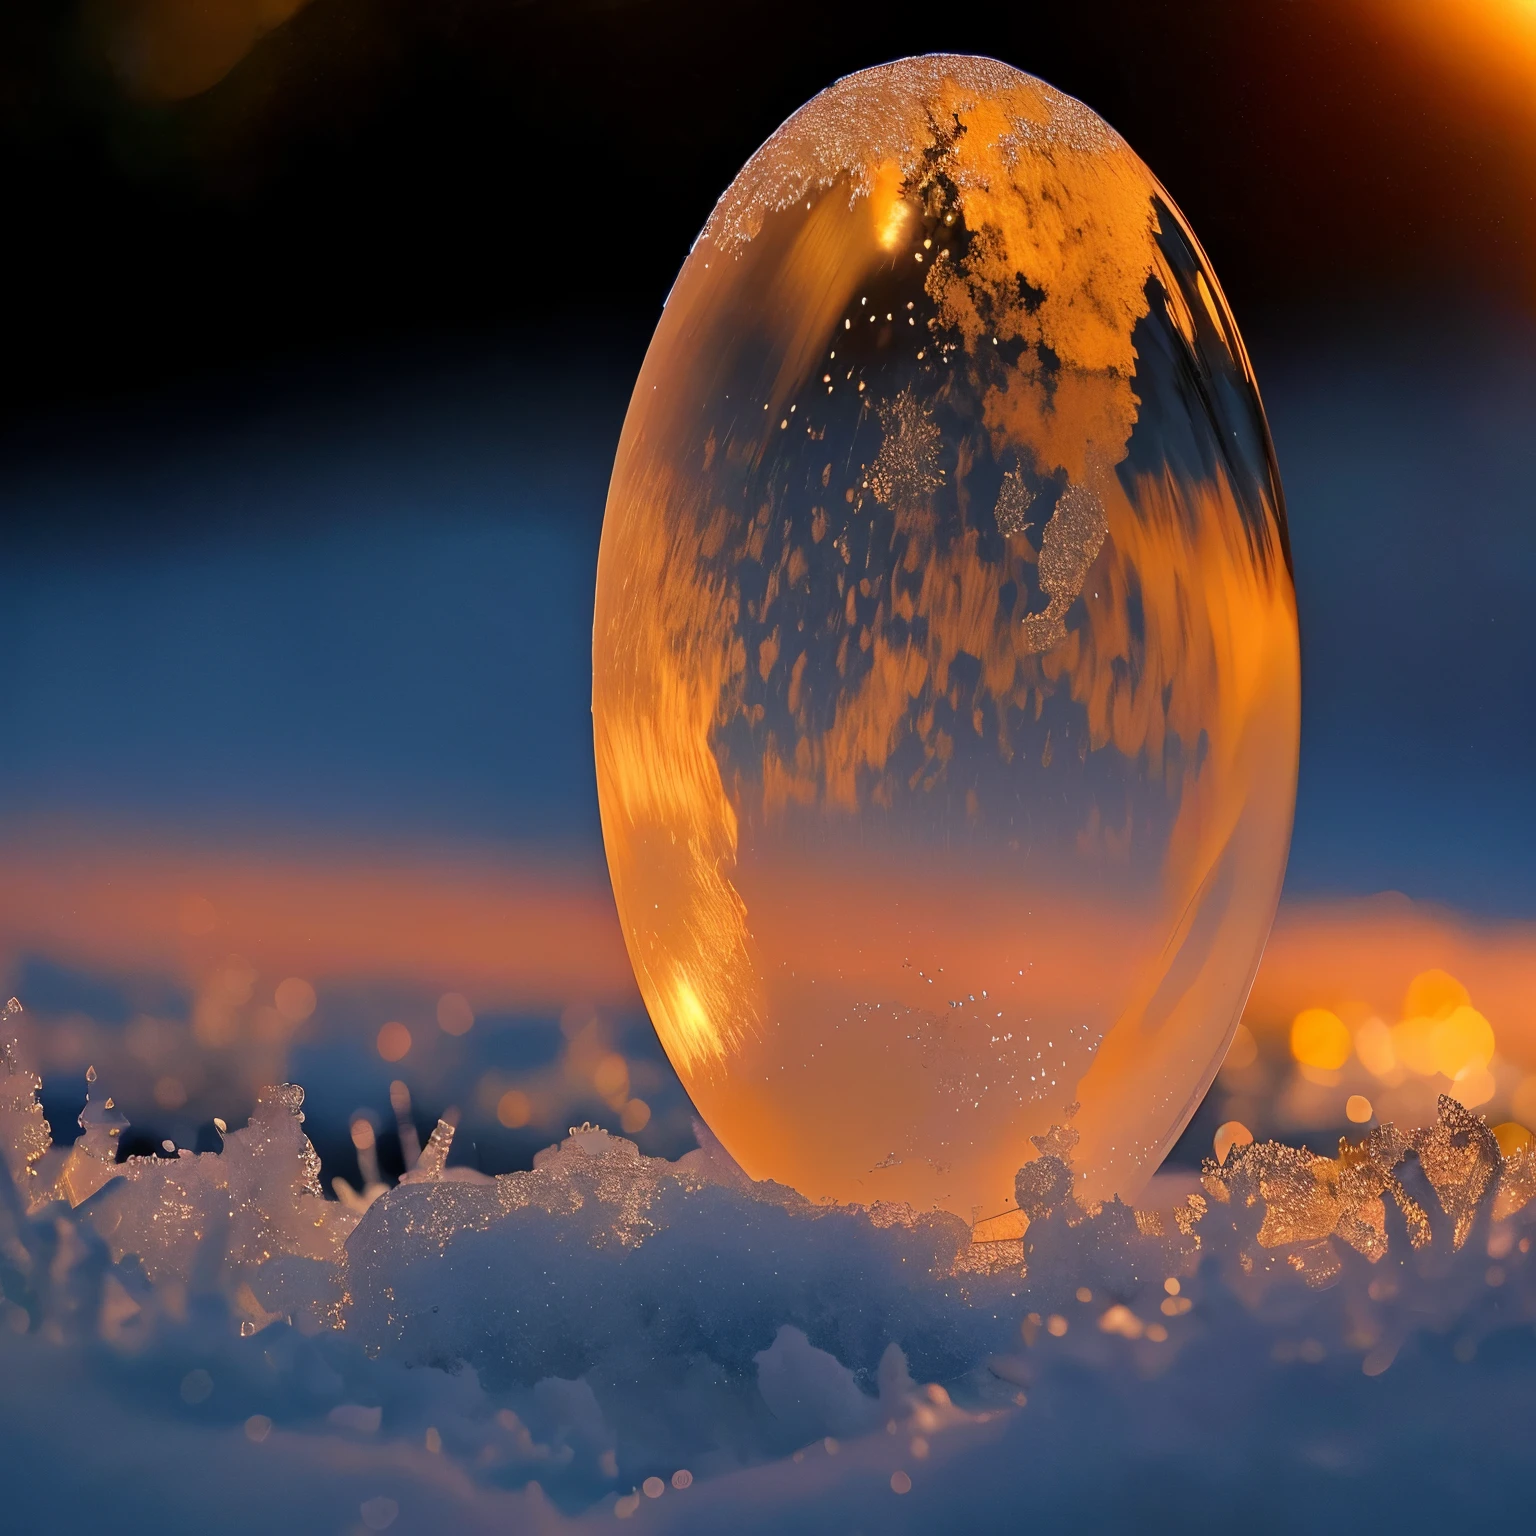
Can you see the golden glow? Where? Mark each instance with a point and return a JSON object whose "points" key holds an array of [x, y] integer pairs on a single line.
{"points": [[1473, 1086], [513, 935], [1233, 1134], [1006, 1227], [887, 208], [1433, 995], [831, 765], [1493, 42], [1358, 1108], [1320, 1039], [1512, 1137], [1373, 1045], [1441, 1032]]}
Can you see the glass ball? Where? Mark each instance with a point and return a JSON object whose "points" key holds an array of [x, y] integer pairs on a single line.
{"points": [[945, 671]]}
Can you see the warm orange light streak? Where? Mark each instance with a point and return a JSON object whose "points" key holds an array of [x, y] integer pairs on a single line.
{"points": [[1360, 957], [521, 934], [1492, 42]]}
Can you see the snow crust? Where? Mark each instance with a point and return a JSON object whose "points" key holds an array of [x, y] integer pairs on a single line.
{"points": [[1301, 1342]]}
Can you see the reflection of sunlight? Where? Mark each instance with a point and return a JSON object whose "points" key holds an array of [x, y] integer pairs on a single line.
{"points": [[1492, 40], [890, 213], [1362, 1012], [523, 932]]}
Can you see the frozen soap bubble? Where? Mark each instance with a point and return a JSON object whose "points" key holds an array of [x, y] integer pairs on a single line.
{"points": [[946, 683]]}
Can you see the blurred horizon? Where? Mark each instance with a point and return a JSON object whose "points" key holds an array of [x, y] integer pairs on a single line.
{"points": [[307, 433], [349, 713]]}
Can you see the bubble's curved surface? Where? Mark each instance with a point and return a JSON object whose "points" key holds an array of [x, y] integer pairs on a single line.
{"points": [[946, 685]]}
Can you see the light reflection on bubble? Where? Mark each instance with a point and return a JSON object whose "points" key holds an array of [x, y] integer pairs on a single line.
{"points": [[945, 672]]}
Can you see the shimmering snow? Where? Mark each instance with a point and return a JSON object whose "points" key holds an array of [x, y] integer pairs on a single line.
{"points": [[206, 1339]]}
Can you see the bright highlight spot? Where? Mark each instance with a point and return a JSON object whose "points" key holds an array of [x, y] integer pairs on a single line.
{"points": [[1512, 1137], [1358, 1108], [1451, 1043], [889, 212], [1434, 994], [1320, 1039], [1233, 1134], [1463, 1041], [1121, 1320]]}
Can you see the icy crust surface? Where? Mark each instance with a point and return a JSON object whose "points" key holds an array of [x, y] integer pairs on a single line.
{"points": [[888, 116], [611, 1335]]}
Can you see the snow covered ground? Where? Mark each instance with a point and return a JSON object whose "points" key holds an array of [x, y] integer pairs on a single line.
{"points": [[1292, 1342]]}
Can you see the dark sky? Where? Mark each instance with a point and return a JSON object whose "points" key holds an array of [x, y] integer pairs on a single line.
{"points": [[378, 174], [313, 381]]}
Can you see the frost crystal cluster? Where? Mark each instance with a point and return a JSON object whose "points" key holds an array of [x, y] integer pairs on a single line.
{"points": [[611, 1335]]}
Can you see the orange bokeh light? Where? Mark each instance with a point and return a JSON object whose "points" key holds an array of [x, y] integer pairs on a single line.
{"points": [[514, 1109], [394, 1041], [1358, 1108], [1319, 1038], [1233, 1134]]}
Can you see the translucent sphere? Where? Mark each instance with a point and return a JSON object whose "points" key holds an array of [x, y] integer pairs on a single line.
{"points": [[946, 685]]}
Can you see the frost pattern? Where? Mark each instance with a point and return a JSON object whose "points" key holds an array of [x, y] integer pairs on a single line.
{"points": [[24, 1134], [906, 469], [884, 115], [1014, 498], [1070, 544], [607, 1328]]}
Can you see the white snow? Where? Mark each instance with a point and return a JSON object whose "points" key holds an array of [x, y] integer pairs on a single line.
{"points": [[206, 1341]]}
